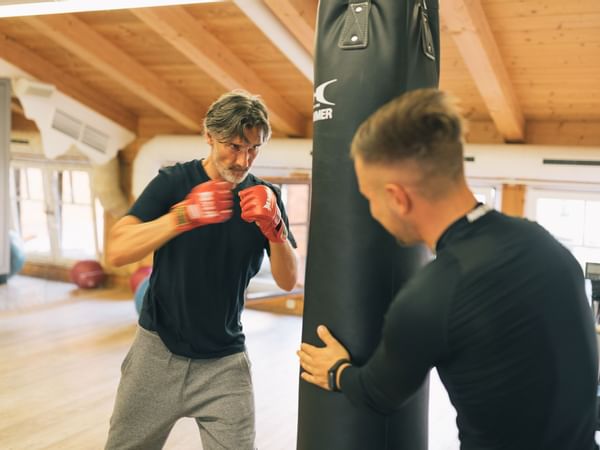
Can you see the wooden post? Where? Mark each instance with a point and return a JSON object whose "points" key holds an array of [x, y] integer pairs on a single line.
{"points": [[513, 199]]}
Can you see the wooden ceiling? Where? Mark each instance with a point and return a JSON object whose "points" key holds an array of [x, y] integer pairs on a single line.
{"points": [[524, 70]]}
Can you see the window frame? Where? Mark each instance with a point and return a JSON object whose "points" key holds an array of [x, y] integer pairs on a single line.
{"points": [[53, 205], [567, 192], [279, 181], [493, 200]]}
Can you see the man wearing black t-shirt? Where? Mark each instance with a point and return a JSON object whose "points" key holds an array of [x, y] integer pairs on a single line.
{"points": [[208, 223], [501, 312]]}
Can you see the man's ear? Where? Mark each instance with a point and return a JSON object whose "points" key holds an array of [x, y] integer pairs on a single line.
{"points": [[398, 198], [209, 138]]}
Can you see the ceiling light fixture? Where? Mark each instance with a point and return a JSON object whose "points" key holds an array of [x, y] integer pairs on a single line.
{"points": [[19, 8]]}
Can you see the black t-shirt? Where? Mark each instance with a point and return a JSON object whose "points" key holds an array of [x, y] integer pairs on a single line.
{"points": [[503, 316], [196, 292]]}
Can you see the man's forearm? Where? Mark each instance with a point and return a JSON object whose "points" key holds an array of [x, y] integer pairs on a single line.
{"points": [[284, 266], [130, 239]]}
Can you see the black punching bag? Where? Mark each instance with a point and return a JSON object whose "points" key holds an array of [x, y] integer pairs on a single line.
{"points": [[367, 53]]}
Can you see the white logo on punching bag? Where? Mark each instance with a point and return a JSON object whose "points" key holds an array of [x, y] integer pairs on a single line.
{"points": [[320, 100]]}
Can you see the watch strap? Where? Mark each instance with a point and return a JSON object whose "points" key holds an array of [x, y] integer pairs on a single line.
{"points": [[332, 374]]}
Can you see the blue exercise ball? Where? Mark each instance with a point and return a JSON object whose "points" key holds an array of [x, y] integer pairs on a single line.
{"points": [[140, 292], [17, 256], [17, 253]]}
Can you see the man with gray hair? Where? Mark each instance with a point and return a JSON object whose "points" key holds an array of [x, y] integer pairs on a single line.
{"points": [[208, 223]]}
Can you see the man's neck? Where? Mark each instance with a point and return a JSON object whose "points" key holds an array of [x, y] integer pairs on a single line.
{"points": [[210, 169], [438, 216]]}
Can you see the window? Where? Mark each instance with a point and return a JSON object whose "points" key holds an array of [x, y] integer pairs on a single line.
{"points": [[79, 238], [572, 217], [29, 208], [295, 195], [296, 198], [55, 211], [485, 193]]}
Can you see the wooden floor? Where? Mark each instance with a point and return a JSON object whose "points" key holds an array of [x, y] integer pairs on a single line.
{"points": [[60, 353]]}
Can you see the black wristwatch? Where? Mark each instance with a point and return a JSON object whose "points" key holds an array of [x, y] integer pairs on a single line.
{"points": [[332, 374]]}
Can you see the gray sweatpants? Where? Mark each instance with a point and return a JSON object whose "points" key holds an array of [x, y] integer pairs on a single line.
{"points": [[157, 388]]}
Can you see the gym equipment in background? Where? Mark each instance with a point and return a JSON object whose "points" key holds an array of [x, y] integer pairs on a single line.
{"points": [[87, 274], [17, 255], [136, 277], [140, 293], [367, 53]]}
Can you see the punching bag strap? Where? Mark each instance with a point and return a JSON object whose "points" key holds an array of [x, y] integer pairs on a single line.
{"points": [[355, 32], [426, 36]]}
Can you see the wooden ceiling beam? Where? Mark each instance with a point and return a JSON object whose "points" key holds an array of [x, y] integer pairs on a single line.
{"points": [[299, 17], [466, 22], [80, 39], [31, 63], [279, 34], [193, 40]]}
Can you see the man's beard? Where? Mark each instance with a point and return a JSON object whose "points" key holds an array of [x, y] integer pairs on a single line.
{"points": [[232, 175]]}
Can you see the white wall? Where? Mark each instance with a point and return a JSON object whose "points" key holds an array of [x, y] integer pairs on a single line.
{"points": [[511, 164], [277, 158], [524, 164]]}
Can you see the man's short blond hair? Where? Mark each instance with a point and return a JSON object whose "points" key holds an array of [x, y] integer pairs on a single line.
{"points": [[422, 127]]}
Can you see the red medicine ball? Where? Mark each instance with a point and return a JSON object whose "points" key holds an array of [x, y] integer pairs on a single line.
{"points": [[87, 274]]}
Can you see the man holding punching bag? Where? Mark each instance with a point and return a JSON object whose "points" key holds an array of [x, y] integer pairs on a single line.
{"points": [[501, 312], [208, 223]]}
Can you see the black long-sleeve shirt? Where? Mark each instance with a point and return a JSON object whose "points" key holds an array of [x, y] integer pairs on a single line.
{"points": [[502, 314]]}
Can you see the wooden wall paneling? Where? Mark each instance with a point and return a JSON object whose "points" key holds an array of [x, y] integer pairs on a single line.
{"points": [[564, 133], [554, 133]]}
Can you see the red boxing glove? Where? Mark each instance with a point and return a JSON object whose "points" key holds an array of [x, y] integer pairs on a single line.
{"points": [[259, 205], [207, 203]]}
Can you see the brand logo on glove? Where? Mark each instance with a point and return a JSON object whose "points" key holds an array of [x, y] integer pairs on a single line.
{"points": [[268, 204]]}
